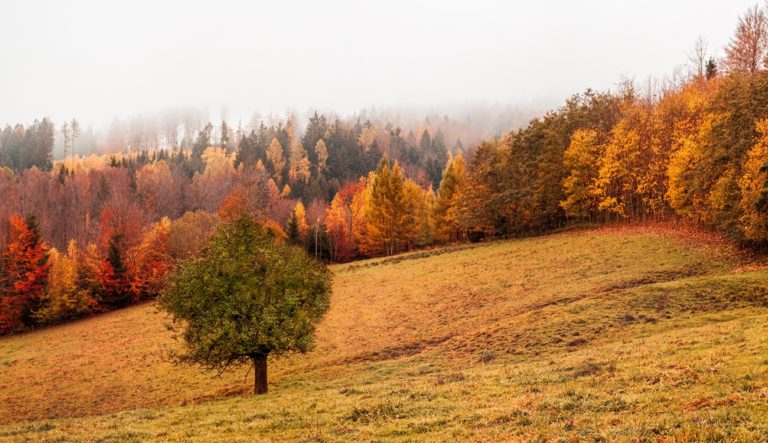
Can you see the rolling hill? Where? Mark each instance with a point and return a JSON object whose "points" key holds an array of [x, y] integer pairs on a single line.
{"points": [[640, 334]]}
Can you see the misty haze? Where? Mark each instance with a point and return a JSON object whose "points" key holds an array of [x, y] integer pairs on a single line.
{"points": [[384, 221]]}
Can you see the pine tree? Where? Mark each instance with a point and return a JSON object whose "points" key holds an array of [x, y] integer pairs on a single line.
{"points": [[202, 143], [225, 135], [116, 290], [711, 69], [246, 152], [292, 229]]}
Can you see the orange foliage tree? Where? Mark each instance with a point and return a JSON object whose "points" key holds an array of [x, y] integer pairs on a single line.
{"points": [[345, 209], [152, 260], [24, 273]]}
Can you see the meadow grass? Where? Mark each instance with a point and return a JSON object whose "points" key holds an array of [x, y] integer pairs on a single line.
{"points": [[598, 336]]}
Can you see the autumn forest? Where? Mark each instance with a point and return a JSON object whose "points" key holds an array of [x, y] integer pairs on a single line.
{"points": [[86, 234]]}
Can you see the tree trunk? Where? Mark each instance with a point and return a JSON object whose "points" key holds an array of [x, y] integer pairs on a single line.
{"points": [[259, 373]]}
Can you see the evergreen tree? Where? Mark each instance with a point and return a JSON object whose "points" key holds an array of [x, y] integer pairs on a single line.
{"points": [[246, 152], [711, 69], [201, 144], [115, 282], [225, 135], [292, 229], [317, 127]]}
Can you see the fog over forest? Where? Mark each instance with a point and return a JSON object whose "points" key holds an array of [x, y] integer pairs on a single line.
{"points": [[129, 67]]}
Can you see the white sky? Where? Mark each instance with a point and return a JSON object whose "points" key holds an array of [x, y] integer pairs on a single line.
{"points": [[97, 59]]}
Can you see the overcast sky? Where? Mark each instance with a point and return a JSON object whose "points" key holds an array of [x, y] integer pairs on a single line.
{"points": [[98, 59]]}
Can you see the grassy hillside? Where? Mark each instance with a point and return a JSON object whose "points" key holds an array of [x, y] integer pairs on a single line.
{"points": [[599, 335]]}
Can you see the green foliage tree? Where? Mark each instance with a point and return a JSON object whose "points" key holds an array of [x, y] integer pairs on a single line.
{"points": [[711, 68], [201, 144], [292, 229], [116, 291], [245, 298]]}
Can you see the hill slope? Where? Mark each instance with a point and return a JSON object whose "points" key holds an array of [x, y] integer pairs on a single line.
{"points": [[589, 335]]}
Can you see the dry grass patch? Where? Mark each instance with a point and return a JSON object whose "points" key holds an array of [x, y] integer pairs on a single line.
{"points": [[588, 336]]}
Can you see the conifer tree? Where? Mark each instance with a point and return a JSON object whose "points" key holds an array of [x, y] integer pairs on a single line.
{"points": [[224, 136], [292, 229], [246, 152], [202, 143], [388, 216], [116, 290]]}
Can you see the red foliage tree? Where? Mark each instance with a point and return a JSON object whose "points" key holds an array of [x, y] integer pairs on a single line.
{"points": [[117, 288], [24, 274]]}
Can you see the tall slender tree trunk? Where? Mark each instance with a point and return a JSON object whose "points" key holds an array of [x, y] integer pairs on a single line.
{"points": [[259, 373]]}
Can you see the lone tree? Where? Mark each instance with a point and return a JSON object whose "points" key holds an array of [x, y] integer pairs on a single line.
{"points": [[245, 298]]}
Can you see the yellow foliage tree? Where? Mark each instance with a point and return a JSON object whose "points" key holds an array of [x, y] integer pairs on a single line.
{"points": [[582, 161], [275, 159], [211, 186], [692, 126], [368, 137], [299, 167], [190, 233], [754, 188], [321, 152], [389, 216], [301, 218], [419, 203], [622, 184], [445, 217], [63, 300]]}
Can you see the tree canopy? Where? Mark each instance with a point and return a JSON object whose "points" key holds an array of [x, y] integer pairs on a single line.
{"points": [[247, 297]]}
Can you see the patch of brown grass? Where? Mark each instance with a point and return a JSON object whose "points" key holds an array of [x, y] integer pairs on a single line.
{"points": [[556, 299]]}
